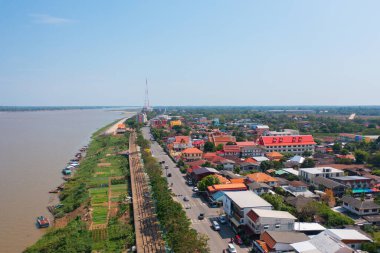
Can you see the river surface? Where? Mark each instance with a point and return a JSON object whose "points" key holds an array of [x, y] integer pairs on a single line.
{"points": [[34, 148]]}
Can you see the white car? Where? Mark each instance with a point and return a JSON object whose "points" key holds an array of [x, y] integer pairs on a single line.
{"points": [[231, 248]]}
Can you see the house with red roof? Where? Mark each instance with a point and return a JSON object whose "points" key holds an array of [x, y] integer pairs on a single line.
{"points": [[296, 144], [231, 150], [260, 177], [221, 139], [181, 142], [191, 154], [199, 144]]}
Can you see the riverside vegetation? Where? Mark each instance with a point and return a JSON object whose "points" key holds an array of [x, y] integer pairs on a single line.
{"points": [[93, 203]]}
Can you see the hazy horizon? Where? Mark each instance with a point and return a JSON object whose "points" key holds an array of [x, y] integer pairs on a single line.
{"points": [[198, 53]]}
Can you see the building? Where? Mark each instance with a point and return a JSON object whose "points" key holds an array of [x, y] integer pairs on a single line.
{"points": [[298, 188], [276, 242], [221, 139], [274, 156], [121, 129], [237, 204], [231, 150], [197, 174], [309, 228], [174, 123], [260, 177], [350, 237], [295, 161], [158, 123], [226, 187], [308, 174], [360, 207], [261, 220], [141, 118], [355, 182], [259, 188], [191, 154], [199, 144], [296, 144], [299, 202], [215, 122], [323, 184], [321, 243], [285, 132], [260, 129], [181, 143], [249, 149]]}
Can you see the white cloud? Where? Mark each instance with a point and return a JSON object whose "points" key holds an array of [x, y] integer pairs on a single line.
{"points": [[49, 20]]}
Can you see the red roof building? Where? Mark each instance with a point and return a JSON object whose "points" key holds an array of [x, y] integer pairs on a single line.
{"points": [[191, 154], [296, 144]]}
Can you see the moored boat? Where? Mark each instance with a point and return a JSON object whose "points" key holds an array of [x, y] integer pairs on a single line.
{"points": [[42, 222]]}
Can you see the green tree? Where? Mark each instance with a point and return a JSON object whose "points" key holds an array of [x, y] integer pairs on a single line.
{"points": [[375, 159], [361, 156], [308, 163], [266, 165], [307, 153], [337, 147], [207, 181], [344, 152], [209, 147], [219, 147]]}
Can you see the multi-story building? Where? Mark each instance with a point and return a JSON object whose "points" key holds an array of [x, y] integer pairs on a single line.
{"points": [[237, 204], [308, 174], [191, 154], [260, 220], [355, 182], [141, 118], [296, 144], [249, 149]]}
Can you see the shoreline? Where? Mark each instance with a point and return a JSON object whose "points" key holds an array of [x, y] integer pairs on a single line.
{"points": [[84, 210]]}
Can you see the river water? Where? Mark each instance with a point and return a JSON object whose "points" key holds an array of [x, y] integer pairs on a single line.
{"points": [[34, 147]]}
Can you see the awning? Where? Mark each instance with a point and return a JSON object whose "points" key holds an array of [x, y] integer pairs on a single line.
{"points": [[235, 222]]}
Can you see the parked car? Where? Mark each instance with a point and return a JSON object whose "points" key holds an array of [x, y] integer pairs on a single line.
{"points": [[231, 248], [215, 225], [185, 198], [195, 189], [201, 216], [222, 219], [238, 240], [189, 182]]}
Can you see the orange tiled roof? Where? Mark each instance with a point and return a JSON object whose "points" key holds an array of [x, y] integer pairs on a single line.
{"points": [[237, 180], [261, 177], [226, 187], [222, 179], [192, 151], [274, 154], [182, 139]]}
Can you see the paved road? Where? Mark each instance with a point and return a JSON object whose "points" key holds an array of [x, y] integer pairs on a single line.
{"points": [[218, 240]]}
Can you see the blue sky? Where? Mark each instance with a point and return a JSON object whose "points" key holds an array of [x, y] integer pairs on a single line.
{"points": [[212, 52]]}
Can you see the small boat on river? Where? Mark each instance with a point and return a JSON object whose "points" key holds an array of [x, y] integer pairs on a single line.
{"points": [[42, 222]]}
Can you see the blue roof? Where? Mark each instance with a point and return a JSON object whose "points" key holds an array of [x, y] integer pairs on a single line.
{"points": [[217, 195]]}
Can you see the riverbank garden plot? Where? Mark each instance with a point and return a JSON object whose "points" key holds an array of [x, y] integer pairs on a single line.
{"points": [[99, 185], [176, 226]]}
